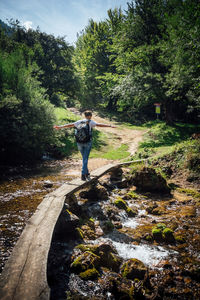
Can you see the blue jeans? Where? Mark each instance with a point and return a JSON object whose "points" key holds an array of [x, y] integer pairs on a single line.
{"points": [[85, 152]]}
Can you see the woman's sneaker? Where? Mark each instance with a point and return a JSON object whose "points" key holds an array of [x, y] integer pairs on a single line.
{"points": [[88, 177], [83, 177]]}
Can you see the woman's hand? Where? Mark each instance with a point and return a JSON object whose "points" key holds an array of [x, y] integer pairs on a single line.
{"points": [[56, 127]]}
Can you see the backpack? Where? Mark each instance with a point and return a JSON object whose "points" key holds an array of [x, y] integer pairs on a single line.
{"points": [[82, 132]]}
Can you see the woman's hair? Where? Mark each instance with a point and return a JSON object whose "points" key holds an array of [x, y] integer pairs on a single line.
{"points": [[87, 113]]}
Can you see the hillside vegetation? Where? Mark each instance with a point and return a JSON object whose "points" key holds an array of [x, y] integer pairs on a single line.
{"points": [[123, 65]]}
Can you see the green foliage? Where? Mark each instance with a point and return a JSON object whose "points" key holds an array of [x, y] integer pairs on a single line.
{"points": [[161, 138], [117, 153], [145, 55], [27, 118]]}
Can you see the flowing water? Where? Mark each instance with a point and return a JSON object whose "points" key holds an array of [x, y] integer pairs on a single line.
{"points": [[21, 191]]}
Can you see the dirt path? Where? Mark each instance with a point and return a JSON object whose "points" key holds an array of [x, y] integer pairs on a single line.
{"points": [[130, 137]]}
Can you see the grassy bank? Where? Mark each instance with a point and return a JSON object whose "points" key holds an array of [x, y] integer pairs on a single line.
{"points": [[172, 147]]}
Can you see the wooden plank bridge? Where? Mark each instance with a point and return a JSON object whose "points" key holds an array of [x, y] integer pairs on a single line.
{"points": [[25, 273]]}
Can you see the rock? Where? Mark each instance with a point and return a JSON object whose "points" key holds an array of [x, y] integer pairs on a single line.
{"points": [[162, 233], [148, 180], [105, 252], [120, 288], [88, 232], [47, 184], [66, 225], [73, 205], [118, 225], [133, 268], [151, 207], [107, 226], [132, 212], [148, 237], [168, 235], [109, 257], [120, 203], [90, 274], [157, 234], [180, 239], [85, 261], [116, 175], [124, 183], [112, 212], [95, 193]]}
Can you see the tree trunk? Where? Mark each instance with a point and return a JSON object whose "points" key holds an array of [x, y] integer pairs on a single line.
{"points": [[168, 112]]}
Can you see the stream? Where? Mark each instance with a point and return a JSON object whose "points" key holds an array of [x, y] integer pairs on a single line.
{"points": [[90, 263]]}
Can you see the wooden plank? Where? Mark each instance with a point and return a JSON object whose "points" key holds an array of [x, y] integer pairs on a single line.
{"points": [[25, 273]]}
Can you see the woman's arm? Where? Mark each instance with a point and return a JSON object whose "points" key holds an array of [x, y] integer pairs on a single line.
{"points": [[105, 125], [64, 126]]}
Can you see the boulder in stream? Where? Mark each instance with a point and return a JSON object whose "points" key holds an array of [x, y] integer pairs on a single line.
{"points": [[147, 179], [133, 268]]}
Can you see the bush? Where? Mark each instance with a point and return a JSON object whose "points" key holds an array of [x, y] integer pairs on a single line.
{"points": [[26, 126]]}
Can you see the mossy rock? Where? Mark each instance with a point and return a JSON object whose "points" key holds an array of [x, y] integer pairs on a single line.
{"points": [[162, 233], [91, 223], [157, 234], [95, 193], [147, 179], [148, 237], [88, 247], [107, 226], [133, 268], [131, 212], [180, 239], [111, 261], [79, 233], [90, 274], [168, 235], [88, 232], [151, 207], [120, 203], [85, 261], [161, 226], [120, 287]]}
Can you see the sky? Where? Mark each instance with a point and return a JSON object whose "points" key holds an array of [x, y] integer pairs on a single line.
{"points": [[58, 17]]}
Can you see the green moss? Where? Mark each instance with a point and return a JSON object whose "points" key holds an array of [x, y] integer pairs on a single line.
{"points": [[132, 195], [120, 203], [90, 274]]}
